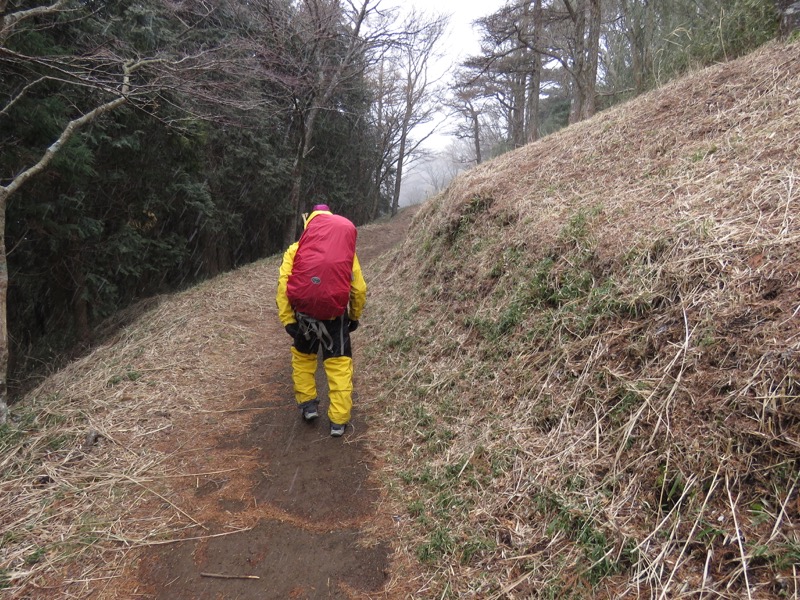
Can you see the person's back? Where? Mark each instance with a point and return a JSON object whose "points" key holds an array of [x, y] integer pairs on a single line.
{"points": [[321, 295]]}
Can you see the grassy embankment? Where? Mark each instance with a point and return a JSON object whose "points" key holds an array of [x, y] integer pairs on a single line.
{"points": [[586, 377]]}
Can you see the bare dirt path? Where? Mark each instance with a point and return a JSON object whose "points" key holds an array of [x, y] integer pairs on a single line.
{"points": [[279, 509]]}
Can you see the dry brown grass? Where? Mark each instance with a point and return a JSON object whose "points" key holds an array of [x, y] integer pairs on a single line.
{"points": [[87, 461], [590, 354]]}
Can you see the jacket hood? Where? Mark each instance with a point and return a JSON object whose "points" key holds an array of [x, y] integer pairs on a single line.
{"points": [[307, 219]]}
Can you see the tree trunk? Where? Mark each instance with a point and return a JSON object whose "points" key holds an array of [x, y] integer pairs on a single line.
{"points": [[640, 28], [585, 59], [379, 111], [790, 16], [518, 104], [404, 131], [476, 135], [399, 175], [375, 194], [535, 86], [290, 226], [578, 59], [298, 168], [592, 58], [3, 310]]}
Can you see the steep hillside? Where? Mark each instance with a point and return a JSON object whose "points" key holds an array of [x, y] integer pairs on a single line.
{"points": [[589, 353]]}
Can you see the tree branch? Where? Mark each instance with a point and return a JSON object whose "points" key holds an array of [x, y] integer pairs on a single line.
{"points": [[9, 21], [72, 127], [20, 95]]}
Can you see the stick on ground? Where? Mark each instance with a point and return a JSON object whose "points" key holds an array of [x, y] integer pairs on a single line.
{"points": [[222, 576]]}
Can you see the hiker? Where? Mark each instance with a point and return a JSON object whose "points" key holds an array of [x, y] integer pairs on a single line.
{"points": [[321, 294]]}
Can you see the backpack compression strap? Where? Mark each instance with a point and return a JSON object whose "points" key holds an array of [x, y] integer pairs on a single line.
{"points": [[310, 326]]}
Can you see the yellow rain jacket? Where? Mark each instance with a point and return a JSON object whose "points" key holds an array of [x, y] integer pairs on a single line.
{"points": [[338, 369]]}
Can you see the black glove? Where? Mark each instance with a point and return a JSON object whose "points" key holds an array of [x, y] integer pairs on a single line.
{"points": [[293, 329], [352, 326]]}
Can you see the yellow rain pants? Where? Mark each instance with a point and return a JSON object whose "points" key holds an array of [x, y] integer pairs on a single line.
{"points": [[339, 371], [304, 367]]}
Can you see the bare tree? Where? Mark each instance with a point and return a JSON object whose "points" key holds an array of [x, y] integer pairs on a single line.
{"points": [[417, 50], [388, 111], [317, 49], [466, 102]]}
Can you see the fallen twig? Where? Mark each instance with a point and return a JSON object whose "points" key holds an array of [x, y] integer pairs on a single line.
{"points": [[222, 576]]}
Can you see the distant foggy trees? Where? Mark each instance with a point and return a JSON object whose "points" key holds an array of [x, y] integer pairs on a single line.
{"points": [[546, 63]]}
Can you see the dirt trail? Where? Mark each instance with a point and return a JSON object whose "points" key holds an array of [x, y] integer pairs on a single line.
{"points": [[272, 497]]}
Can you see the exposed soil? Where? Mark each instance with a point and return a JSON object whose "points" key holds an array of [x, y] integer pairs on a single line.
{"points": [[281, 509]]}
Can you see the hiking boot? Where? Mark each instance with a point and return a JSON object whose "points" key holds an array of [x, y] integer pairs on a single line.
{"points": [[337, 430], [309, 409]]}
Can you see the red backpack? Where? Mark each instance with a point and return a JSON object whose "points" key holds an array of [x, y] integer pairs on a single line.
{"points": [[319, 285]]}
